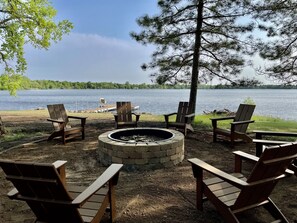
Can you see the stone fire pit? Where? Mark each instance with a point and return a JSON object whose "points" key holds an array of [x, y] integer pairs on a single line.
{"points": [[141, 148]]}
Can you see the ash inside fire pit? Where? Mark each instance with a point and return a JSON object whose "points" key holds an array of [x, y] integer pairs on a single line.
{"points": [[140, 135], [140, 138]]}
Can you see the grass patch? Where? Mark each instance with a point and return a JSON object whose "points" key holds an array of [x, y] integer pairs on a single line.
{"points": [[10, 137], [201, 122], [261, 123]]}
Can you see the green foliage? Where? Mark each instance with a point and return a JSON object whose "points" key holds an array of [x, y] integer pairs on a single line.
{"points": [[23, 22], [277, 19], [196, 41], [177, 34], [25, 83], [249, 101], [10, 82]]}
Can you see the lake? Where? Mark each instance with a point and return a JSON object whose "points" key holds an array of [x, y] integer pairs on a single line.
{"points": [[270, 102]]}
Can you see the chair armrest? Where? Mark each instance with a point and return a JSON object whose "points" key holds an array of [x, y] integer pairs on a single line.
{"points": [[190, 115], [239, 156], [60, 166], [189, 118], [116, 117], [214, 121], [12, 193], [108, 175], [233, 124], [268, 142], [137, 115], [242, 122], [222, 118], [82, 119], [166, 116], [56, 120], [246, 156], [197, 163], [170, 114], [77, 117], [260, 133]]}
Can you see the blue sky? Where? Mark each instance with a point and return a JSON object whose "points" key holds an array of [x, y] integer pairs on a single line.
{"points": [[99, 48]]}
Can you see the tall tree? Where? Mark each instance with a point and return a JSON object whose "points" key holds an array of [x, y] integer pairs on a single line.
{"points": [[21, 22], [278, 19], [196, 41]]}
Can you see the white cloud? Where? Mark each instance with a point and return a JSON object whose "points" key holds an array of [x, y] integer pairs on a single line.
{"points": [[89, 57]]}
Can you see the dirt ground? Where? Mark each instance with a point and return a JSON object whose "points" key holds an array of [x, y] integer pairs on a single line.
{"points": [[163, 195]]}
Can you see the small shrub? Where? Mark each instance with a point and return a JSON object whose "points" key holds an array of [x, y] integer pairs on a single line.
{"points": [[249, 101]]}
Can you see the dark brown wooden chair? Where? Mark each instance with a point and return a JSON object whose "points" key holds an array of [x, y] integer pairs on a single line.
{"points": [[262, 140], [62, 127], [43, 187], [123, 116], [183, 120], [2, 130], [233, 194], [239, 124]]}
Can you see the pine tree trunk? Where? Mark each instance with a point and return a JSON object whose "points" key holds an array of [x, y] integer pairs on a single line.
{"points": [[196, 56]]}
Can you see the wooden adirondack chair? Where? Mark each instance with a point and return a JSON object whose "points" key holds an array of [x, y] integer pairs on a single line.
{"points": [[2, 130], [232, 194], [183, 119], [44, 188], [261, 142], [239, 125], [62, 127], [123, 115]]}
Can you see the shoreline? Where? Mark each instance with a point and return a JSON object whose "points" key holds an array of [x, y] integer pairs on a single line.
{"points": [[269, 102]]}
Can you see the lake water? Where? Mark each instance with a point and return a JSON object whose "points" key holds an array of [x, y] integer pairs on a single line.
{"points": [[272, 102]]}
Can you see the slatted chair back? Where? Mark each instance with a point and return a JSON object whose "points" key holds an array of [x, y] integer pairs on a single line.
{"points": [[42, 188], [58, 112], [2, 130], [244, 113], [182, 111], [124, 111], [268, 170]]}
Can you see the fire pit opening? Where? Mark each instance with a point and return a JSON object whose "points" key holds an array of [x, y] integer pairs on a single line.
{"points": [[141, 148], [140, 135]]}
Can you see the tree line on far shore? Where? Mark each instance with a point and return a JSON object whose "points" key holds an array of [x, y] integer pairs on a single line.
{"points": [[27, 84]]}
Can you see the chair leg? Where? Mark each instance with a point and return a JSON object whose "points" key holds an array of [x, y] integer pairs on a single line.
{"points": [[54, 135], [232, 139], [64, 139], [199, 194], [112, 203], [51, 137], [274, 211], [214, 136], [293, 167], [224, 211], [83, 134], [229, 216]]}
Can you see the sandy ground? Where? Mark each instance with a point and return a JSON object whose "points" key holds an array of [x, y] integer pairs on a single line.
{"points": [[164, 195]]}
